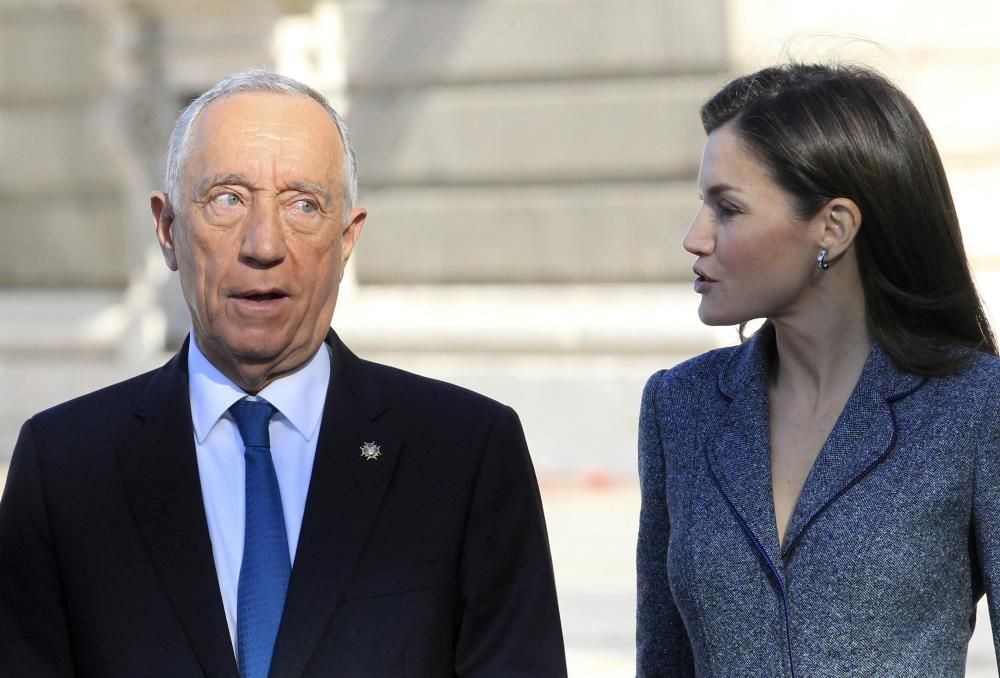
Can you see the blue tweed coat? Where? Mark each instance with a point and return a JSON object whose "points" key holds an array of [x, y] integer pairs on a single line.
{"points": [[895, 536]]}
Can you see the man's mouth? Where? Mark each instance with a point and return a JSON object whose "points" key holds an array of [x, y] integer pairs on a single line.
{"points": [[266, 296], [261, 296]]}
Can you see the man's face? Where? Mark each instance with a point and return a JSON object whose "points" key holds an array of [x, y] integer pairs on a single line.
{"points": [[257, 232]]}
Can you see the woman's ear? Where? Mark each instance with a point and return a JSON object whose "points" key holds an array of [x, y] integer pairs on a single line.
{"points": [[841, 221]]}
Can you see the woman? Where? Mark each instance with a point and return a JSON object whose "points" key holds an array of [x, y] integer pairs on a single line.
{"points": [[824, 499]]}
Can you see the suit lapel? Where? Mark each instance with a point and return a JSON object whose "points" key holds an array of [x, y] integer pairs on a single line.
{"points": [[345, 493], [862, 438], [739, 456], [159, 471]]}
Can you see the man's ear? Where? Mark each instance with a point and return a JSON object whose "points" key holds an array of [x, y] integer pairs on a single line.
{"points": [[351, 233], [841, 223], [163, 222]]}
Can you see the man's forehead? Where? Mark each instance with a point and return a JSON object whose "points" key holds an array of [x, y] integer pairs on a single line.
{"points": [[248, 135], [275, 111]]}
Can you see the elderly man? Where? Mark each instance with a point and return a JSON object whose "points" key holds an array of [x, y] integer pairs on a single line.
{"points": [[268, 504]]}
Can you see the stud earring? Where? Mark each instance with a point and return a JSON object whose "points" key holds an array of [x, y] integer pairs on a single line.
{"points": [[821, 263]]}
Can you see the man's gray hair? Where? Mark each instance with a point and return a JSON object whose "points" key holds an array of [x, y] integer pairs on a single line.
{"points": [[257, 80]]}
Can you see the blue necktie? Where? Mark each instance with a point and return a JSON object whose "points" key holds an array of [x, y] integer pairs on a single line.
{"points": [[264, 573]]}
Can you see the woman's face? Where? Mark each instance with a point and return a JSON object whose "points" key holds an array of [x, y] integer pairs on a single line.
{"points": [[755, 258]]}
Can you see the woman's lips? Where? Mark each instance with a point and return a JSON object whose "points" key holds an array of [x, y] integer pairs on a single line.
{"points": [[702, 283]]}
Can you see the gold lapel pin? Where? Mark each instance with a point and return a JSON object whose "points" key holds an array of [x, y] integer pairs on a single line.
{"points": [[370, 451]]}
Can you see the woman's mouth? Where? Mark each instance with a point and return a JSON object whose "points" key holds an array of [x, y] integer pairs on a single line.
{"points": [[702, 282]]}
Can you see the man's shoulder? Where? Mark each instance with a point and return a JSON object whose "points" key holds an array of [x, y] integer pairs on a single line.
{"points": [[430, 411], [104, 404]]}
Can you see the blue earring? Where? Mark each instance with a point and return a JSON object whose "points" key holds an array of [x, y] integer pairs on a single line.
{"points": [[821, 260]]}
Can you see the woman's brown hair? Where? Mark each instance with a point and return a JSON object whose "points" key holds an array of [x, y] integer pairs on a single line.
{"points": [[828, 131]]}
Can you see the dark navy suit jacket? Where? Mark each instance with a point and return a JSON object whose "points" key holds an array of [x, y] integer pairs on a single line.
{"points": [[894, 538], [431, 561]]}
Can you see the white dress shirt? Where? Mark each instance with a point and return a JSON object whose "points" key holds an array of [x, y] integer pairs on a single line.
{"points": [[294, 429]]}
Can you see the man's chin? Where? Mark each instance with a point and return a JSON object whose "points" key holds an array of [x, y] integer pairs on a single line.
{"points": [[245, 349], [255, 350]]}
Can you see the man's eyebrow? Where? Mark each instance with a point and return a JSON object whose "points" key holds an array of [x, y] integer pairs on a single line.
{"points": [[310, 187], [219, 179]]}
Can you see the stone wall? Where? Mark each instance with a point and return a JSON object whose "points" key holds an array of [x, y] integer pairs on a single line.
{"points": [[500, 141], [529, 167], [60, 202]]}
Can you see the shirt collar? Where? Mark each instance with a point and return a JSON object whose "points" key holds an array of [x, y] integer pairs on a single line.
{"points": [[299, 397]]}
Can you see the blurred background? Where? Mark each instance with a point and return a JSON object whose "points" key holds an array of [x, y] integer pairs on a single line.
{"points": [[529, 168]]}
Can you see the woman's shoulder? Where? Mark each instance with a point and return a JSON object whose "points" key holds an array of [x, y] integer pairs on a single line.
{"points": [[694, 376], [985, 365], [978, 378], [976, 386], [964, 400]]}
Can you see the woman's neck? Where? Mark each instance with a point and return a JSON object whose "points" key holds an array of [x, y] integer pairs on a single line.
{"points": [[820, 353]]}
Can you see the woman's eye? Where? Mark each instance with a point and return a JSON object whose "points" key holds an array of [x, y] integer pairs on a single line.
{"points": [[726, 209]]}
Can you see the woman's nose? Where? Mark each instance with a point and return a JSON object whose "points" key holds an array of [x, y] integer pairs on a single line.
{"points": [[700, 237]]}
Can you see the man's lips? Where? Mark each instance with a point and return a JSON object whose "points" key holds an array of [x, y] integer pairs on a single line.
{"points": [[260, 295], [259, 299]]}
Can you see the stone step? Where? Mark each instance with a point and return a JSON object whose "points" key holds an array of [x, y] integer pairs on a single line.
{"points": [[63, 240], [61, 322], [49, 145], [536, 132], [388, 44], [541, 319], [200, 43], [111, 324], [49, 51], [605, 233]]}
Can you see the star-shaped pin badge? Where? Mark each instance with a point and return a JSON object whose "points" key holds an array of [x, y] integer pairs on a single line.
{"points": [[370, 451]]}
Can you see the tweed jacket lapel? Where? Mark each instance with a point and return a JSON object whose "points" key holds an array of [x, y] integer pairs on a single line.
{"points": [[864, 436], [159, 471], [739, 456], [345, 493]]}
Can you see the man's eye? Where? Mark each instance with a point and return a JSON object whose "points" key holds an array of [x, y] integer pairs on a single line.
{"points": [[306, 206], [227, 200]]}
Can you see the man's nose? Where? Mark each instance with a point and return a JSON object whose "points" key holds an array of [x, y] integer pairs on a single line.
{"points": [[700, 238], [264, 236]]}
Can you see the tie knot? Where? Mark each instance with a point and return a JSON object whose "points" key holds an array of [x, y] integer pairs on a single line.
{"points": [[252, 418]]}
